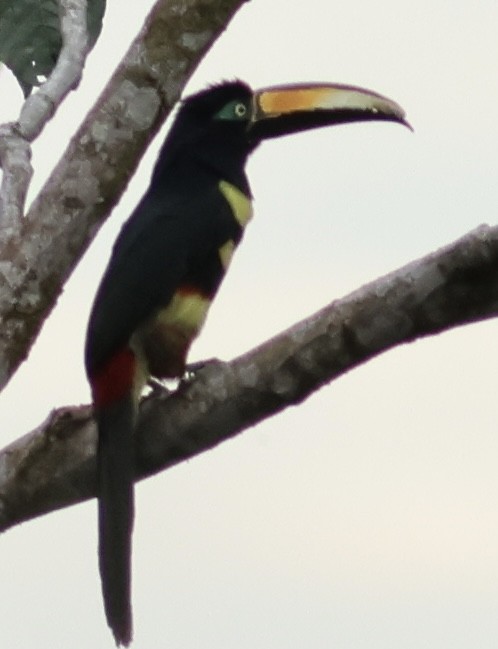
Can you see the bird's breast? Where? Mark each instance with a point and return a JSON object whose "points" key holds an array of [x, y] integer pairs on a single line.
{"points": [[164, 340], [187, 311]]}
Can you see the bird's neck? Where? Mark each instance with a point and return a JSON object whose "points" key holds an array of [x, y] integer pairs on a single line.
{"points": [[181, 168], [229, 166]]}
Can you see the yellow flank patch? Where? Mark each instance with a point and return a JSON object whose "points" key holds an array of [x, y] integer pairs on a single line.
{"points": [[241, 205], [186, 312], [226, 253]]}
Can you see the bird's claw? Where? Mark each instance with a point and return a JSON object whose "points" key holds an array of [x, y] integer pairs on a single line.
{"points": [[158, 387], [192, 369]]}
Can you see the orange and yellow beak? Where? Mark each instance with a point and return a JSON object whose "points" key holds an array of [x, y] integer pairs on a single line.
{"points": [[282, 110]]}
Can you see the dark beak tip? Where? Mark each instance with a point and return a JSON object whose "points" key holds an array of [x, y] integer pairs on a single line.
{"points": [[406, 123]]}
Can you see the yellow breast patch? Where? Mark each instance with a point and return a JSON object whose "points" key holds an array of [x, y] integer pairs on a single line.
{"points": [[241, 205], [226, 253], [187, 311]]}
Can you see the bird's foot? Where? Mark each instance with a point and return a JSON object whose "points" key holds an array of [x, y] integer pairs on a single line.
{"points": [[192, 369], [158, 387]]}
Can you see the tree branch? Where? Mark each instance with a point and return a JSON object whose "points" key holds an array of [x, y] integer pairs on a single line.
{"points": [[37, 110], [88, 181], [54, 466], [40, 106], [15, 161]]}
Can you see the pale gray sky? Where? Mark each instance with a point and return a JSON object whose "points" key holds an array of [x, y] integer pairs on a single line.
{"points": [[365, 518]]}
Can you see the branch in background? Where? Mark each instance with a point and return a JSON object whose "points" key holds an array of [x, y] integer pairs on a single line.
{"points": [[94, 170], [54, 466], [40, 107], [37, 110], [15, 161]]}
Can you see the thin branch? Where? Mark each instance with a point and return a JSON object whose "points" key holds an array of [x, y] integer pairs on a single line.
{"points": [[40, 106], [100, 159], [37, 110], [54, 466], [15, 160]]}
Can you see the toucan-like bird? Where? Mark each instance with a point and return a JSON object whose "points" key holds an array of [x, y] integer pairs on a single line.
{"points": [[166, 267]]}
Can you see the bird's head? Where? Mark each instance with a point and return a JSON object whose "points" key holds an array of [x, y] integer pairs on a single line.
{"points": [[224, 123], [231, 110]]}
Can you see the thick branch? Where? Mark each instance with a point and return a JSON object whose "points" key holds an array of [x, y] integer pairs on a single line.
{"points": [[53, 466], [100, 159]]}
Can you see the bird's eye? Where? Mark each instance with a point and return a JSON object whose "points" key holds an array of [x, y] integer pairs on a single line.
{"points": [[234, 110], [240, 109]]}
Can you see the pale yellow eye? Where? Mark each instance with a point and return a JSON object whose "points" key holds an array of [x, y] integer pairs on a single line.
{"points": [[240, 110], [234, 110]]}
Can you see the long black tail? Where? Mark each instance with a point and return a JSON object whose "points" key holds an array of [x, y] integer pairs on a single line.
{"points": [[115, 471]]}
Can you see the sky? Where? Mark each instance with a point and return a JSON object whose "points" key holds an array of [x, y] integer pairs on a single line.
{"points": [[366, 517]]}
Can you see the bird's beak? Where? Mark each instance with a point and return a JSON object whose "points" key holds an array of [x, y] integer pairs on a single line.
{"points": [[282, 110]]}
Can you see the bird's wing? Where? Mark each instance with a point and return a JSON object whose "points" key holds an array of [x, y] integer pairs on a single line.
{"points": [[155, 253]]}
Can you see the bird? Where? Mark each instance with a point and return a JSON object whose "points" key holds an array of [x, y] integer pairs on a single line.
{"points": [[166, 267]]}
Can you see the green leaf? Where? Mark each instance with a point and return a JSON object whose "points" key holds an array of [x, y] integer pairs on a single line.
{"points": [[30, 38]]}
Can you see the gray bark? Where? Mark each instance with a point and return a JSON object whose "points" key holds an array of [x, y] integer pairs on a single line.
{"points": [[54, 466]]}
